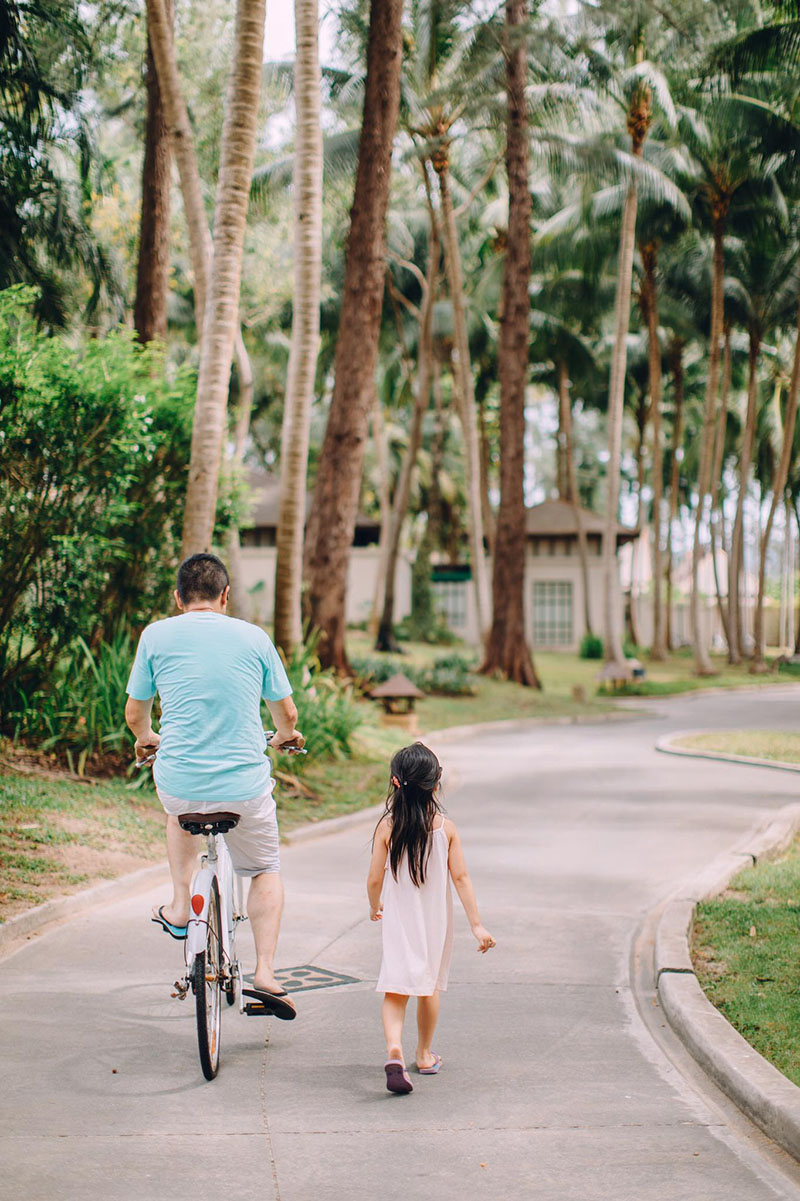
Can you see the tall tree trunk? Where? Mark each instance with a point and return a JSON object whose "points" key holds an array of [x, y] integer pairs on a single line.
{"points": [[152, 277], [571, 492], [465, 391], [639, 118], [658, 650], [307, 195], [221, 317], [177, 117], [735, 624], [702, 662], [507, 650], [385, 638], [487, 513], [778, 493], [676, 358], [237, 605], [634, 631], [380, 443], [333, 513], [715, 510], [200, 244]]}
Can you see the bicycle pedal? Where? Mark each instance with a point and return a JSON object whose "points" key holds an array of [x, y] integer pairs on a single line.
{"points": [[254, 1010], [181, 990]]}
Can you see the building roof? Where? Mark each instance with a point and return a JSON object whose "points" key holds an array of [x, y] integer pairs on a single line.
{"points": [[556, 519], [265, 489]]}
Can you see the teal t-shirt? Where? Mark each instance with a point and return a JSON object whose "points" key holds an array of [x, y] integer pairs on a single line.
{"points": [[210, 672]]}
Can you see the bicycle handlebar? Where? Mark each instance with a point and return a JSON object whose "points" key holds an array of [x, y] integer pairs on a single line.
{"points": [[288, 750]]}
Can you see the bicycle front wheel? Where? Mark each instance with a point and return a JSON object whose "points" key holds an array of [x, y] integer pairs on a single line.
{"points": [[207, 981]]}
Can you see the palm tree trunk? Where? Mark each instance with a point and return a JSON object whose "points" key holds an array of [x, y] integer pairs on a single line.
{"points": [[466, 396], [715, 512], [305, 327], [778, 491], [385, 638], [152, 278], [639, 118], [571, 492], [332, 520], [233, 547], [200, 243], [735, 624], [221, 317], [612, 625], [675, 471], [703, 665], [177, 117], [636, 550], [380, 444], [507, 649], [658, 651]]}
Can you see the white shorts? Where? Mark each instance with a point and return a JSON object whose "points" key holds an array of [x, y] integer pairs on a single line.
{"points": [[254, 844]]}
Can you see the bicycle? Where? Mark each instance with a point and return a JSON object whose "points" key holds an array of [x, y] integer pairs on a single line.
{"points": [[212, 967]]}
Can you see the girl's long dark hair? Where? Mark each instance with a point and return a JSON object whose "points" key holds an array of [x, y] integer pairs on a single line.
{"points": [[412, 807]]}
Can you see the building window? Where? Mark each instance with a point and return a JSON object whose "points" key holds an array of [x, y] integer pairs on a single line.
{"points": [[450, 598], [552, 613]]}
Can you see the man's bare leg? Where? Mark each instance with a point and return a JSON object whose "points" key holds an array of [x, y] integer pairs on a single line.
{"points": [[264, 908], [182, 853]]}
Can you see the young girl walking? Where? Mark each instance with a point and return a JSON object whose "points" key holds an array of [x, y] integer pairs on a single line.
{"points": [[416, 851]]}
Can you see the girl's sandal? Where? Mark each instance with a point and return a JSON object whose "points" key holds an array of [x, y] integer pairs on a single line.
{"points": [[433, 1069], [397, 1078]]}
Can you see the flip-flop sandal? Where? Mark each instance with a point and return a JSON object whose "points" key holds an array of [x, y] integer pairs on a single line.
{"points": [[270, 1004], [397, 1078], [433, 1069], [178, 932]]}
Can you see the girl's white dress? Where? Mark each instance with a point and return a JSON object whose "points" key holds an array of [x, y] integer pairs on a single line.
{"points": [[417, 925]]}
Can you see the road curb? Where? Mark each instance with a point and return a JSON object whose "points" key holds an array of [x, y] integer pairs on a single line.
{"points": [[16, 931], [763, 1093], [667, 744]]}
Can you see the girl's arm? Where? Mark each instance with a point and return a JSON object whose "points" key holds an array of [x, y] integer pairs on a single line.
{"points": [[377, 865], [463, 885]]}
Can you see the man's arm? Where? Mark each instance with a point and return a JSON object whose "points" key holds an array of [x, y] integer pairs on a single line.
{"points": [[138, 715], [284, 715]]}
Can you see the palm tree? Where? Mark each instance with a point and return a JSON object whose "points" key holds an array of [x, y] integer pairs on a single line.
{"points": [[332, 519], [152, 277], [507, 650], [305, 327], [728, 172]]}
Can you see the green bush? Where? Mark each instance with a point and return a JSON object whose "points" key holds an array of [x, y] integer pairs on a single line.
{"points": [[94, 442], [450, 675], [80, 712], [591, 647], [327, 716]]}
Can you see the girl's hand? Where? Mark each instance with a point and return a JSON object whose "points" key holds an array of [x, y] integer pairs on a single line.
{"points": [[485, 940], [375, 915]]}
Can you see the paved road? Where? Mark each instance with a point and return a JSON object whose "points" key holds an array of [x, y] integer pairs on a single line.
{"points": [[552, 1088]]}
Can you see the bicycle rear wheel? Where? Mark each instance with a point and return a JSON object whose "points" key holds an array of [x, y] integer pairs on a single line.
{"points": [[207, 984]]}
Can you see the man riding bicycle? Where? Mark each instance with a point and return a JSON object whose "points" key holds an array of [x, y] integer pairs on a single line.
{"points": [[211, 672]]}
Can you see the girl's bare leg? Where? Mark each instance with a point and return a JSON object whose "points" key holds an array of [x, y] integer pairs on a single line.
{"points": [[427, 1017], [393, 1014]]}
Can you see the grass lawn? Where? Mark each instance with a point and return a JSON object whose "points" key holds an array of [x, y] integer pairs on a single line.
{"points": [[755, 744], [63, 835], [745, 954]]}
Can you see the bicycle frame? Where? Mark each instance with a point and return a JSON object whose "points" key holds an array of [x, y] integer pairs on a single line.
{"points": [[216, 862]]}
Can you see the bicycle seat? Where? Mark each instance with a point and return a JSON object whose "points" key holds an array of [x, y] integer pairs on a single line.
{"points": [[208, 823]]}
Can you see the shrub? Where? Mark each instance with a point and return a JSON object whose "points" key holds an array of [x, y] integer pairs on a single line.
{"points": [[327, 716], [94, 442], [80, 712], [591, 647], [449, 676]]}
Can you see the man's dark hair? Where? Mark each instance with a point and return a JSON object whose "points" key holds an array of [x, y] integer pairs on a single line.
{"points": [[201, 577]]}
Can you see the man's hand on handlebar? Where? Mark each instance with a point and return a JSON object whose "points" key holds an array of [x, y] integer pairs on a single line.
{"points": [[291, 744], [146, 748]]}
